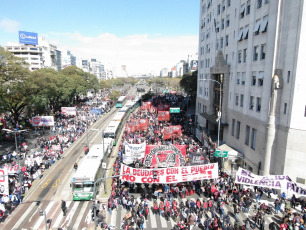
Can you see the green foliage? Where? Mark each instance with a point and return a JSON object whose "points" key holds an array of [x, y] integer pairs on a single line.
{"points": [[13, 84], [189, 83], [114, 95]]}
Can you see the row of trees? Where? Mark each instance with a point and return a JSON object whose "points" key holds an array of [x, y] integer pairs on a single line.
{"points": [[23, 91]]}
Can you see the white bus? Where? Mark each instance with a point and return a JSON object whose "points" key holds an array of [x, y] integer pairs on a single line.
{"points": [[118, 116], [112, 130], [87, 173]]}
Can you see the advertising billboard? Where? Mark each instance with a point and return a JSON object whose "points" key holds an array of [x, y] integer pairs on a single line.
{"points": [[28, 38]]}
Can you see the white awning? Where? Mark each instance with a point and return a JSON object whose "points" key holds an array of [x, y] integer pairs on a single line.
{"points": [[232, 153], [242, 9], [256, 28], [240, 35], [260, 75], [263, 25], [245, 32]]}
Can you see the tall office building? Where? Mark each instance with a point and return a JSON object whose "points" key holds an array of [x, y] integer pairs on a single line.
{"points": [[256, 50]]}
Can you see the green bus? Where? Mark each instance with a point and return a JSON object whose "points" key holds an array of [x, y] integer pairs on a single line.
{"points": [[120, 101], [87, 173]]}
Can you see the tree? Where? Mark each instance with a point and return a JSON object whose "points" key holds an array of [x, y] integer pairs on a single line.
{"points": [[189, 84], [14, 90], [114, 95]]}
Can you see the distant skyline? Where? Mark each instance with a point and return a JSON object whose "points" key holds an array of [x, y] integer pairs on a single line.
{"points": [[144, 35]]}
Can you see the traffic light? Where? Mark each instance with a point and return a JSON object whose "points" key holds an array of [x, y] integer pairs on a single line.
{"points": [[154, 174]]}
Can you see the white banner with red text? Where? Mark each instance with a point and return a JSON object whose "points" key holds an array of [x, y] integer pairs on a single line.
{"points": [[169, 175], [4, 184]]}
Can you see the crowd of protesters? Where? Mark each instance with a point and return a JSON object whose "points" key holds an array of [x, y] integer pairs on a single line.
{"points": [[46, 151], [164, 199]]}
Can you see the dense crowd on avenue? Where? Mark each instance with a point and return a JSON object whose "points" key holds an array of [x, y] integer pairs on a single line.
{"points": [[166, 199], [47, 150]]}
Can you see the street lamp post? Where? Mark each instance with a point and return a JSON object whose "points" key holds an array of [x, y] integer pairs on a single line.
{"points": [[43, 213]]}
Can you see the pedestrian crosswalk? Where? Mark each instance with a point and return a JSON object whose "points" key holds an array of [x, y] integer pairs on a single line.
{"points": [[27, 216], [159, 222], [79, 216]]}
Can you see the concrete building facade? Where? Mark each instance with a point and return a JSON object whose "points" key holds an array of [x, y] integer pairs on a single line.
{"points": [[255, 49]]}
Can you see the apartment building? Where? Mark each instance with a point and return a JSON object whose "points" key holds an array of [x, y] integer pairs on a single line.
{"points": [[251, 54]]}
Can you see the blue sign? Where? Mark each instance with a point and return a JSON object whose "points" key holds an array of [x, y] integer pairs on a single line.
{"points": [[28, 38], [96, 110]]}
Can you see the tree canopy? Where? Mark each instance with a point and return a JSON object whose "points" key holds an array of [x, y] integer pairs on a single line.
{"points": [[189, 83]]}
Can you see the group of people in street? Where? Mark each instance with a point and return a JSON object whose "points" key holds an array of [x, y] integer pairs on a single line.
{"points": [[25, 165], [208, 210]]}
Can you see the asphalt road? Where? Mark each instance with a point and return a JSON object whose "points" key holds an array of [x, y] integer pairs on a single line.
{"points": [[54, 186]]}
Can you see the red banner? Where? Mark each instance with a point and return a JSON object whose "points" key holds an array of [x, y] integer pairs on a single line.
{"points": [[166, 107], [137, 124], [152, 109], [146, 105], [163, 107], [163, 116], [172, 132], [142, 124], [165, 156]]}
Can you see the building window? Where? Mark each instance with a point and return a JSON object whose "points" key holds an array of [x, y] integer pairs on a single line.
{"points": [[288, 77], [240, 35], [258, 104], [221, 42], [242, 11], [247, 135], [267, 1], [305, 111], [238, 130], [259, 4], [285, 108], [222, 24], [227, 21], [246, 32], [238, 79], [264, 24], [223, 5], [226, 59], [255, 56], [226, 40], [253, 82], [244, 55], [257, 27], [219, 9], [260, 78], [217, 44], [218, 27], [236, 99], [253, 140], [243, 78], [239, 56], [263, 52], [241, 100], [251, 103], [228, 3], [248, 8], [233, 127]]}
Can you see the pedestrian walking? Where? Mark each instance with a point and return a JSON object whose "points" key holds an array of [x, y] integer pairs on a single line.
{"points": [[64, 208]]}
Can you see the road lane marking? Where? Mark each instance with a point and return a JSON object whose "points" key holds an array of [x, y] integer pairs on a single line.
{"points": [[46, 183], [59, 218], [41, 218], [26, 213], [71, 213], [56, 183], [80, 216]]}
